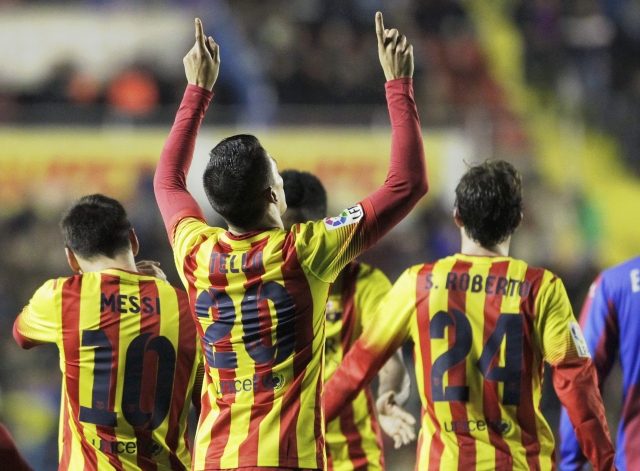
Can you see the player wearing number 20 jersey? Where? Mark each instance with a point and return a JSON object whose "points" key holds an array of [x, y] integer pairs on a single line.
{"points": [[482, 324], [129, 355], [257, 291]]}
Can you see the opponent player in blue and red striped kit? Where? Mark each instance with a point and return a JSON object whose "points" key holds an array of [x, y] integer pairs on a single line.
{"points": [[611, 327]]}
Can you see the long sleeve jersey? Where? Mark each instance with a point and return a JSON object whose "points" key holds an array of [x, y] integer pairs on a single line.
{"points": [[259, 298], [482, 328]]}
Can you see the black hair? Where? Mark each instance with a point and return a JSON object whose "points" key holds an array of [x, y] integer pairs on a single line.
{"points": [[305, 195], [489, 202], [96, 225], [236, 176]]}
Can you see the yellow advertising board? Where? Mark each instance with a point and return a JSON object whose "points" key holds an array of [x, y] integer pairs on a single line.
{"points": [[38, 166]]}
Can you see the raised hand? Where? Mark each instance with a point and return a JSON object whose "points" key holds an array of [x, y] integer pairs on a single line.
{"points": [[151, 268], [394, 51], [395, 421], [202, 62]]}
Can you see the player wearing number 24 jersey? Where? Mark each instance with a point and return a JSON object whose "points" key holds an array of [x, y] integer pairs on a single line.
{"points": [[129, 352], [258, 292], [482, 324]]}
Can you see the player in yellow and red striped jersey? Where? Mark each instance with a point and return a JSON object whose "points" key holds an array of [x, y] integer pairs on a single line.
{"points": [[258, 292], [129, 352], [354, 441], [482, 324]]}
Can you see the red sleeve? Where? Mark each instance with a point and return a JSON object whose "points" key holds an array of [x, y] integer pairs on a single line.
{"points": [[10, 457], [406, 180], [170, 181], [576, 384], [356, 370]]}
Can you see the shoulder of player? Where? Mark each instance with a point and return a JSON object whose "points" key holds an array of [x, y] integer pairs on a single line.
{"points": [[166, 288], [190, 227], [346, 217], [364, 269], [56, 284], [535, 275], [426, 267], [620, 272]]}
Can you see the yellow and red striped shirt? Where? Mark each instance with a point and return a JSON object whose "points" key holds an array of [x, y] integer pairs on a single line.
{"points": [[129, 356], [259, 300], [354, 440], [482, 328]]}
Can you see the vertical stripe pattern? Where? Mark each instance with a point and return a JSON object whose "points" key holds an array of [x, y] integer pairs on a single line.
{"points": [[129, 354], [477, 327]]}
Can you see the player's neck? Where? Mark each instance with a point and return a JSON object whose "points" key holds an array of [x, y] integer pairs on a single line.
{"points": [[270, 220], [471, 247], [122, 261]]}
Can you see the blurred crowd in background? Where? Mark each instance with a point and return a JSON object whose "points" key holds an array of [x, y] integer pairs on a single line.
{"points": [[312, 62], [584, 54]]}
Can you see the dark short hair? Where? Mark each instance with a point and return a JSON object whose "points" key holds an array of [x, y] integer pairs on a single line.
{"points": [[96, 225], [235, 178], [305, 195], [489, 201]]}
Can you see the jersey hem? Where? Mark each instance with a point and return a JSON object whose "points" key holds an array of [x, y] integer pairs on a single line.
{"points": [[293, 465]]}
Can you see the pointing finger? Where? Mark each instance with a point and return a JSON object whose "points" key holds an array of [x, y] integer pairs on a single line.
{"points": [[379, 26], [199, 32]]}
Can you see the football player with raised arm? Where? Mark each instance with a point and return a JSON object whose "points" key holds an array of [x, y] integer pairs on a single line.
{"points": [[258, 291]]}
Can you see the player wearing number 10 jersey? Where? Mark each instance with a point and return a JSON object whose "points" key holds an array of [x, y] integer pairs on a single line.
{"points": [[129, 352], [258, 292], [482, 324]]}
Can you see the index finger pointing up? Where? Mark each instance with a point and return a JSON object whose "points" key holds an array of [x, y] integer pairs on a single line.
{"points": [[199, 32], [379, 26]]}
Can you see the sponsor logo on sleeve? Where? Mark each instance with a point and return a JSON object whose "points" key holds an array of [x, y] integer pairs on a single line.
{"points": [[349, 216], [578, 340]]}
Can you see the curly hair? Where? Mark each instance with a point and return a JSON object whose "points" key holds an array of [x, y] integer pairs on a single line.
{"points": [[489, 201]]}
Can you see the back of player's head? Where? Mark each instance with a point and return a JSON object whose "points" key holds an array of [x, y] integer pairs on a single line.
{"points": [[306, 197], [489, 202], [96, 225], [236, 178]]}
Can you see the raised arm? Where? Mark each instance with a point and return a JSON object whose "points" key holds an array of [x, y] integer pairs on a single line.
{"points": [[201, 65], [406, 180], [343, 238]]}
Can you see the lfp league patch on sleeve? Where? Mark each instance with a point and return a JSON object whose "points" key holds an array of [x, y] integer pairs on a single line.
{"points": [[578, 340], [349, 216]]}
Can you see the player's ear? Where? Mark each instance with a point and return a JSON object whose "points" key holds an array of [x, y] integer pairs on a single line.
{"points": [[272, 196], [135, 244], [72, 261], [456, 217]]}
